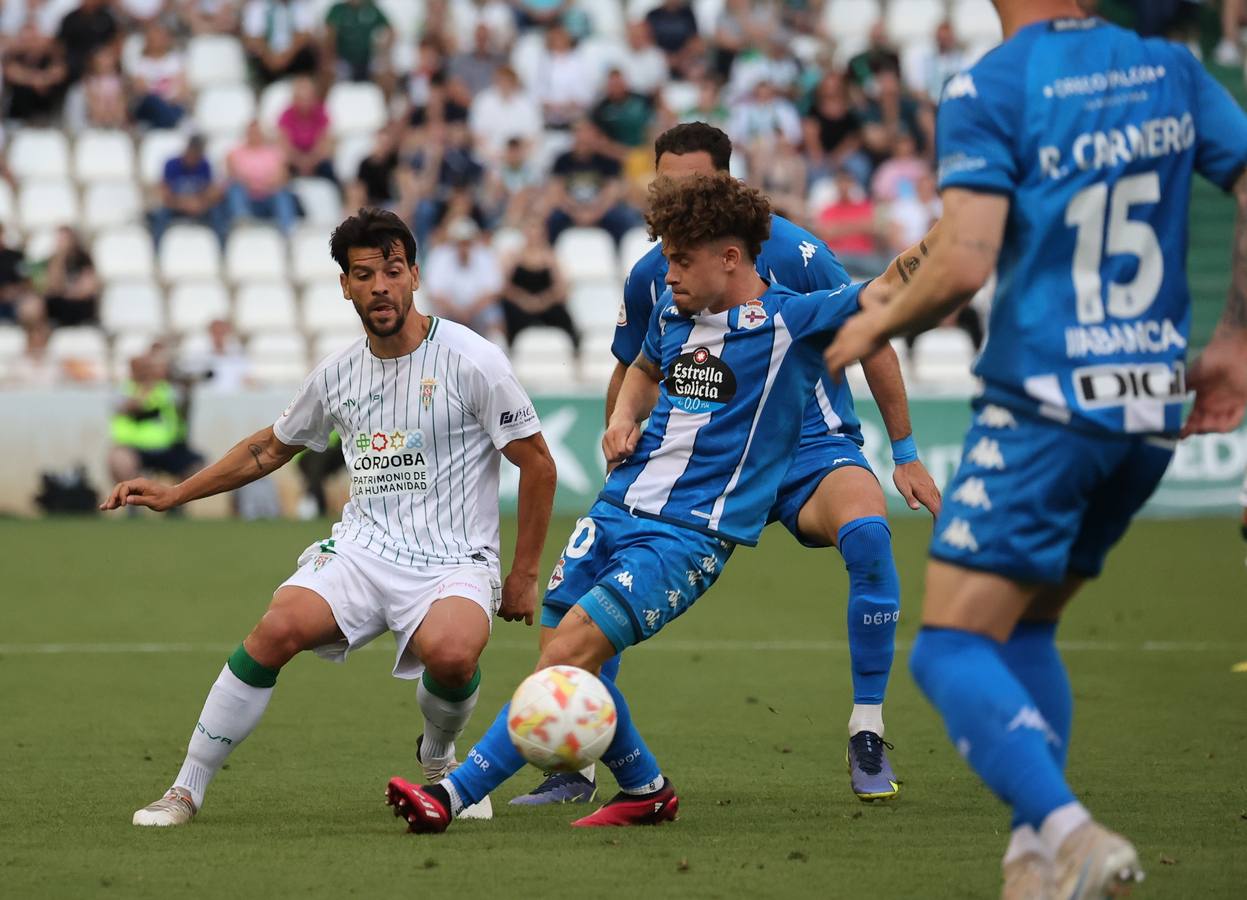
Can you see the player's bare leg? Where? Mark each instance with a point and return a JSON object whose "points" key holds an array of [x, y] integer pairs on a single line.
{"points": [[848, 511], [449, 642], [297, 619]]}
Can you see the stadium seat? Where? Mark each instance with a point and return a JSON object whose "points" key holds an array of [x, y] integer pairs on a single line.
{"points": [[913, 21], [708, 13], [107, 204], [83, 349], [46, 204], [124, 254], [104, 156], [975, 22], [850, 21], [406, 17], [943, 357], [606, 17], [604, 52], [326, 311], [637, 9], [263, 307], [356, 108], [635, 244], [349, 153], [310, 262], [551, 145], [255, 252], [126, 346], [679, 96], [193, 304], [542, 358], [594, 305], [274, 100], [213, 59], [40, 153], [332, 342], [132, 306], [155, 149], [8, 206], [320, 199], [40, 243], [506, 242], [189, 252], [224, 109], [526, 56], [586, 254], [278, 358], [597, 361], [12, 345]]}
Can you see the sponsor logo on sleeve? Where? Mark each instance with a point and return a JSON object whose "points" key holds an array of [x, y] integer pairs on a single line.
{"points": [[515, 417]]}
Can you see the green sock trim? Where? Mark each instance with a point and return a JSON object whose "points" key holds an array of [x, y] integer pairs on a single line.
{"points": [[454, 695], [248, 671]]}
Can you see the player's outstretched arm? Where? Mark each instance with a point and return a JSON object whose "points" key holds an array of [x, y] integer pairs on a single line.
{"points": [[636, 400], [613, 388], [1219, 375], [971, 231], [538, 478], [250, 459]]}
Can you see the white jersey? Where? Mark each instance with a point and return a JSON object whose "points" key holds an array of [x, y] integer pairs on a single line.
{"points": [[421, 436]]}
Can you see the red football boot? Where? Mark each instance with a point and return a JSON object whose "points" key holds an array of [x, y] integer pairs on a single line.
{"points": [[631, 809], [425, 814]]}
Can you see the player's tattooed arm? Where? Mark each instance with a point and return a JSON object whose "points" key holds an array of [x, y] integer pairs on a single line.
{"points": [[905, 267], [250, 459]]}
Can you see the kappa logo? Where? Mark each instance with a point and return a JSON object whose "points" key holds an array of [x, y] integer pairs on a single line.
{"points": [[986, 454], [674, 599], [960, 86], [959, 535], [992, 416], [625, 578], [652, 617], [973, 493], [694, 577], [710, 564], [807, 251], [1032, 719]]}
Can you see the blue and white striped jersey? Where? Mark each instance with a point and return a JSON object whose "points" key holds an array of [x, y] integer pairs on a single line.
{"points": [[791, 256], [730, 409]]}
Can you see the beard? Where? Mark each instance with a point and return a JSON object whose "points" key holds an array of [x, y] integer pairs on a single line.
{"points": [[400, 317]]}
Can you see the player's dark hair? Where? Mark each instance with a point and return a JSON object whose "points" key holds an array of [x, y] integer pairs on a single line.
{"points": [[686, 213], [371, 227], [696, 137]]}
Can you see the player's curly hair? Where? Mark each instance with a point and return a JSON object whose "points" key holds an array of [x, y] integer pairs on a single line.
{"points": [[375, 228], [698, 209]]}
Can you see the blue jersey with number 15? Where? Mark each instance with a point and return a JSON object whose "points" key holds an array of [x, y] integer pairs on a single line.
{"points": [[1093, 133]]}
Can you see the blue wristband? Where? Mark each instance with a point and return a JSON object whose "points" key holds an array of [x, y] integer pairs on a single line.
{"points": [[904, 450]]}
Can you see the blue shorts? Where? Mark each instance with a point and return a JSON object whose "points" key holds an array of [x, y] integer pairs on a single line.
{"points": [[631, 575], [810, 465], [1036, 501]]}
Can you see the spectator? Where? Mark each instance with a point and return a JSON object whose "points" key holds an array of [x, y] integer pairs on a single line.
{"points": [[644, 65], [1229, 50], [149, 425], [478, 65], [776, 66], [303, 130], [17, 300], [833, 131], [189, 192], [911, 214], [742, 25], [513, 186], [847, 224], [447, 166], [709, 107], [565, 82], [209, 16], [623, 118], [423, 84], [928, 67], [376, 182], [892, 113], [259, 174], [535, 292], [104, 91], [879, 56], [463, 280], [779, 171], [901, 172], [278, 37], [674, 27], [540, 13], [159, 79], [35, 75], [766, 116], [72, 288], [84, 30], [224, 368], [503, 112], [499, 16], [358, 38], [36, 368], [585, 189]]}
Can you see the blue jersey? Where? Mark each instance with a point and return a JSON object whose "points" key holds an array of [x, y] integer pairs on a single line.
{"points": [[791, 256], [729, 410], [1092, 132]]}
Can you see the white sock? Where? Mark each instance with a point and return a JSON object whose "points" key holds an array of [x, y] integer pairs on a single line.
{"points": [[456, 802], [866, 717], [654, 785], [589, 771], [230, 713], [1060, 823], [1025, 842], [444, 720]]}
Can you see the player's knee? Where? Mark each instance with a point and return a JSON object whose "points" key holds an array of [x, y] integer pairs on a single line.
{"points": [[276, 639], [452, 663]]}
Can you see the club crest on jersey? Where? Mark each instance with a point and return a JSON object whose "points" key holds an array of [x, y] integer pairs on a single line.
{"points": [[427, 387], [556, 577], [622, 318], [752, 315], [700, 382], [319, 562]]}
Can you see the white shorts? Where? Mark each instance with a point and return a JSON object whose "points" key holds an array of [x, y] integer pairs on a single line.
{"points": [[369, 595]]}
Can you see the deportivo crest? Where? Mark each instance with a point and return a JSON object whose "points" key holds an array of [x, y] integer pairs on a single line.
{"points": [[622, 318], [427, 387], [556, 577], [752, 315]]}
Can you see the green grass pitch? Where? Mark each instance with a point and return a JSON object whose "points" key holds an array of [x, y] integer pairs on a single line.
{"points": [[744, 700]]}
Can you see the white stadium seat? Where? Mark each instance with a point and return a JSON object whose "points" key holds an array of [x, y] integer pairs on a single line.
{"points": [[38, 153], [157, 148], [107, 204], [104, 156], [507, 242], [126, 346], [124, 254], [605, 16], [594, 305], [189, 252], [850, 21], [12, 345], [310, 261], [255, 252], [526, 56], [224, 109], [8, 206], [321, 200], [355, 108], [943, 357], [406, 17], [638, 8], [332, 342], [586, 254], [264, 306], [46, 204], [679, 96], [278, 358], [975, 22], [597, 363], [274, 100], [83, 348], [326, 311], [193, 304], [215, 59], [635, 244], [349, 153], [132, 306], [542, 358], [910, 21]]}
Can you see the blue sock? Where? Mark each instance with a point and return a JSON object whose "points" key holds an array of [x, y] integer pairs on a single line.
{"points": [[874, 604], [991, 720], [1032, 657], [629, 760], [490, 762], [610, 668]]}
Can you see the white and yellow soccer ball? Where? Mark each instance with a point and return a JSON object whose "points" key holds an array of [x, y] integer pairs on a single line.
{"points": [[561, 719]]}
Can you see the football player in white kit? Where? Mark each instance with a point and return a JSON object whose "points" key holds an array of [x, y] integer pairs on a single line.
{"points": [[425, 408]]}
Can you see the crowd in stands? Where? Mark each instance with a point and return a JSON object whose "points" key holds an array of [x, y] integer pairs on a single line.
{"points": [[515, 136]]}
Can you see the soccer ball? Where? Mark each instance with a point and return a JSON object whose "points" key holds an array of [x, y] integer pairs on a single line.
{"points": [[561, 719]]}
